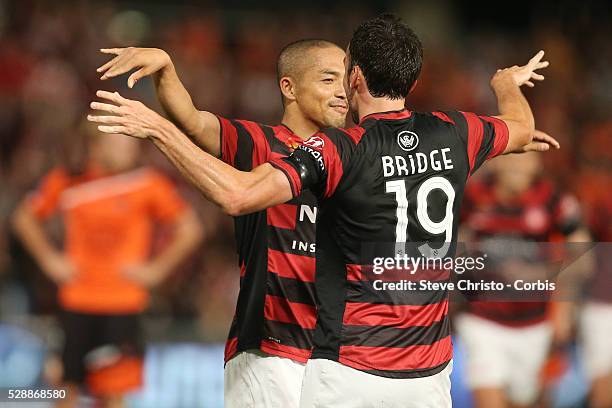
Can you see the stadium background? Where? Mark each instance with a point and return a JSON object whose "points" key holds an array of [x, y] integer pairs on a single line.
{"points": [[225, 54]]}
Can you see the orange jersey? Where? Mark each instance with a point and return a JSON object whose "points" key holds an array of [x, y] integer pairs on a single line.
{"points": [[109, 223]]}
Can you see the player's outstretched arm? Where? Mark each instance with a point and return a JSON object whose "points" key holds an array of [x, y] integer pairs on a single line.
{"points": [[513, 107], [202, 127], [236, 192]]}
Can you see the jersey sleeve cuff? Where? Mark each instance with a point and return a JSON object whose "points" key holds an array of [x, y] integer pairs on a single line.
{"points": [[501, 136], [227, 140], [295, 182]]}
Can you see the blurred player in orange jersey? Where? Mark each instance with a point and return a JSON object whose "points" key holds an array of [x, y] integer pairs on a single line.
{"points": [[508, 342], [105, 267]]}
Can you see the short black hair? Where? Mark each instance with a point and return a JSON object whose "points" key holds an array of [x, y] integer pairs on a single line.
{"points": [[292, 59], [389, 54]]}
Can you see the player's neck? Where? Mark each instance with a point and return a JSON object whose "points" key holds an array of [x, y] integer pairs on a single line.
{"points": [[368, 106], [299, 125]]}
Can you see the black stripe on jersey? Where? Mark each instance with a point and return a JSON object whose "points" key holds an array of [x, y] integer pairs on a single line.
{"points": [[329, 319], [343, 143], [488, 140], [293, 290], [408, 373], [244, 151], [385, 336], [282, 240], [275, 144], [288, 334], [460, 125], [233, 331], [251, 238], [364, 292]]}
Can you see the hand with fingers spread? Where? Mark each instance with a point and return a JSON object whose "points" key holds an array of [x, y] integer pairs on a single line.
{"points": [[125, 116], [523, 75], [541, 142], [145, 61]]}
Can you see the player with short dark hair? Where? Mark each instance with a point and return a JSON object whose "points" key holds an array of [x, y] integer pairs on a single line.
{"points": [[270, 337], [397, 176]]}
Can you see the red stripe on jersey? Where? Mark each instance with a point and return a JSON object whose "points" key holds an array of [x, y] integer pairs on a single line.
{"points": [[242, 270], [231, 345], [353, 272], [366, 273], [402, 114], [282, 350], [283, 216], [229, 141], [475, 136], [260, 143], [292, 266], [443, 116], [279, 309], [333, 165], [295, 182], [355, 133], [394, 358], [400, 316], [501, 135]]}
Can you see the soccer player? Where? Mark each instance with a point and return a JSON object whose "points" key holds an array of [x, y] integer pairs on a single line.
{"points": [[398, 176], [270, 337], [507, 342], [596, 314], [104, 268]]}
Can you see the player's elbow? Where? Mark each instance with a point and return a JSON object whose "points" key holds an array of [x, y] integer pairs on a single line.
{"points": [[236, 204]]}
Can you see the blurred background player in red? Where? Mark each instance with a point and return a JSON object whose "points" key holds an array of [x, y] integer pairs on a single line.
{"points": [[596, 315], [508, 337], [111, 209]]}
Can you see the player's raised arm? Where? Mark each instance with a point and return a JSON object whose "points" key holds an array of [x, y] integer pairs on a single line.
{"points": [[236, 192], [514, 109], [202, 127]]}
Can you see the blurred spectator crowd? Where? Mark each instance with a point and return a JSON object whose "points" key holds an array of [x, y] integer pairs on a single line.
{"points": [[226, 59]]}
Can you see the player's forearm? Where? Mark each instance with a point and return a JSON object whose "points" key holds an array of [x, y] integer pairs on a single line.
{"points": [[201, 127], [32, 235], [219, 182], [186, 236], [511, 102]]}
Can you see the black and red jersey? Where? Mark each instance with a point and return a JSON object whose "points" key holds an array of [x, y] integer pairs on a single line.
{"points": [[397, 177], [600, 222], [541, 213], [276, 311]]}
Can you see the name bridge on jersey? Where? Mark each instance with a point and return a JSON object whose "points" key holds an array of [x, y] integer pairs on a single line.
{"points": [[416, 163]]}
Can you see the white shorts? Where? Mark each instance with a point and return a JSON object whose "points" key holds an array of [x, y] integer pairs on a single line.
{"points": [[330, 384], [258, 380], [510, 358], [596, 335]]}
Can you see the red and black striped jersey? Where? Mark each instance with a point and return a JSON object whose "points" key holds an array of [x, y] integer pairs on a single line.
{"points": [[542, 213], [600, 222], [275, 312], [396, 178]]}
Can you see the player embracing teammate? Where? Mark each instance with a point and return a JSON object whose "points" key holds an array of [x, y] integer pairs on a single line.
{"points": [[371, 348]]}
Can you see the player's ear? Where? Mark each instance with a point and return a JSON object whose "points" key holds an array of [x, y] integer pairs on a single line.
{"points": [[287, 88], [355, 77], [413, 86]]}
